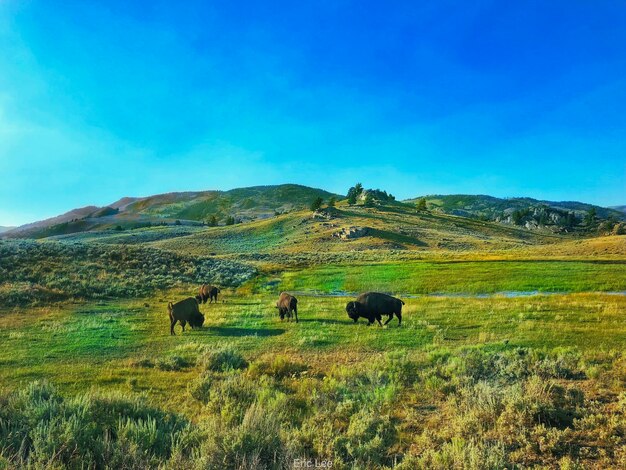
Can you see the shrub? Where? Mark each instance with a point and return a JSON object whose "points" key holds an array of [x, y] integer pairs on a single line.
{"points": [[200, 388], [50, 271], [173, 363], [367, 440], [256, 442], [224, 359], [41, 429], [280, 366]]}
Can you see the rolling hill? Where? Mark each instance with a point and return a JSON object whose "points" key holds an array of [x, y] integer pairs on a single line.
{"points": [[278, 219], [183, 208], [563, 216]]}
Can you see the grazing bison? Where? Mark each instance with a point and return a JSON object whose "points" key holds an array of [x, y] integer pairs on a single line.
{"points": [[286, 304], [185, 311], [373, 305], [208, 292]]}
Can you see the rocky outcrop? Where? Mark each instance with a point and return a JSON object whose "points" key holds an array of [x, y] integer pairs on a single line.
{"points": [[328, 213], [349, 233]]}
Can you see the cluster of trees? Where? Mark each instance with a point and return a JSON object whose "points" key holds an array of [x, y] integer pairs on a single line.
{"points": [[370, 198], [318, 202], [354, 192], [371, 195], [544, 215], [213, 222]]}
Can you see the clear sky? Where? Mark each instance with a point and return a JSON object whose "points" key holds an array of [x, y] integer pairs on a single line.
{"points": [[120, 98]]}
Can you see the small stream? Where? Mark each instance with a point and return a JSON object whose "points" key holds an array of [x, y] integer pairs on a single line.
{"points": [[505, 294]]}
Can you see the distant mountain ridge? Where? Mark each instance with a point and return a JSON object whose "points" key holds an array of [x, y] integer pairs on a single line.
{"points": [[185, 208], [261, 202]]}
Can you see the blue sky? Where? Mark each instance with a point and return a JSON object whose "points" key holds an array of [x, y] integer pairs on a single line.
{"points": [[111, 99]]}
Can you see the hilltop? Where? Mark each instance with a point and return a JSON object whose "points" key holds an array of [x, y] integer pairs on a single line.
{"points": [[179, 208]]}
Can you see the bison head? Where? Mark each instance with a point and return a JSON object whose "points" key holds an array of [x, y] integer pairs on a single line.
{"points": [[353, 310], [196, 321]]}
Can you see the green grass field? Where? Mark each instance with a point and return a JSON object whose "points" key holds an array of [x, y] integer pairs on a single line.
{"points": [[466, 382], [483, 373], [471, 277]]}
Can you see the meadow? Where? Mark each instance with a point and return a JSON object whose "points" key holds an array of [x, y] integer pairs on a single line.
{"points": [[506, 358], [494, 382]]}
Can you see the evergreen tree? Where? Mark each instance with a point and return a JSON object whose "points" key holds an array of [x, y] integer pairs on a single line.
{"points": [[420, 205], [230, 220], [317, 203], [368, 201], [332, 201], [352, 197], [590, 217], [212, 221]]}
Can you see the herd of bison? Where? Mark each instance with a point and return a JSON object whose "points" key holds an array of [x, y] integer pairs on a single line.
{"points": [[370, 305]]}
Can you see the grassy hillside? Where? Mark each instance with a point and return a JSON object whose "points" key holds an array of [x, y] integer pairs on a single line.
{"points": [[564, 217], [262, 202], [384, 228], [186, 208], [489, 206]]}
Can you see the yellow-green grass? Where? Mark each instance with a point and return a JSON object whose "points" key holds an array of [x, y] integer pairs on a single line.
{"points": [[91, 344], [389, 228], [461, 384]]}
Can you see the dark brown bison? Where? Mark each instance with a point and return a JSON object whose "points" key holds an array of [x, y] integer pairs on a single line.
{"points": [[183, 312], [286, 304], [208, 292], [373, 305]]}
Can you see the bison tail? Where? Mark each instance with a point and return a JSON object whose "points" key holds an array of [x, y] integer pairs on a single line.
{"points": [[402, 302]]}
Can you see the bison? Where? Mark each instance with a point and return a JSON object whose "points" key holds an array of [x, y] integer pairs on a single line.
{"points": [[185, 311], [286, 304], [372, 305], [208, 292]]}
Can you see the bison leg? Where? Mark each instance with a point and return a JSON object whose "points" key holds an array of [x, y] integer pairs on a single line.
{"points": [[399, 315], [183, 323], [389, 319], [172, 323], [378, 320], [295, 312]]}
